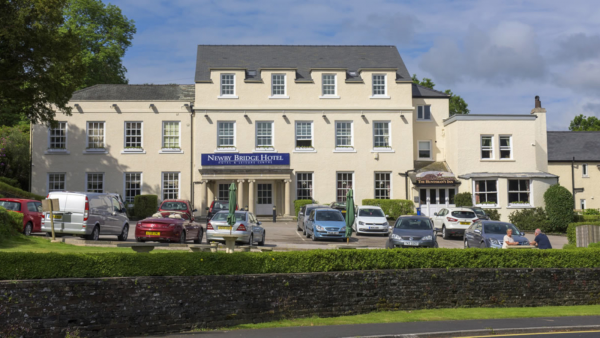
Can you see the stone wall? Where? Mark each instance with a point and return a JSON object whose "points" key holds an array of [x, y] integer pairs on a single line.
{"points": [[132, 306]]}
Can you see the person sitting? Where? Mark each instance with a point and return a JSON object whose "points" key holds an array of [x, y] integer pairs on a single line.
{"points": [[508, 240], [541, 240]]}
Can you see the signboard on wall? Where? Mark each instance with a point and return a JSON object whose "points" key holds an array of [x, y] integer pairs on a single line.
{"points": [[436, 178], [246, 159]]}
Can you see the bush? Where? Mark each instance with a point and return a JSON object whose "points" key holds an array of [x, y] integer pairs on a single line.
{"points": [[299, 204], [493, 213], [586, 218], [145, 205], [591, 212], [559, 208], [464, 199], [11, 223], [11, 191], [572, 232], [392, 208], [529, 219], [10, 181]]}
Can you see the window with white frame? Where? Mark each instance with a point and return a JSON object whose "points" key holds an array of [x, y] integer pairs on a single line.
{"points": [[584, 170], [486, 192], [381, 135], [505, 147], [58, 136], [487, 147], [95, 182], [345, 181], [171, 135], [227, 84], [226, 135], [519, 192], [170, 185], [379, 85], [424, 113], [383, 185], [424, 150], [343, 135], [56, 182], [304, 186], [95, 135], [329, 85], [304, 133], [278, 85], [133, 186], [264, 135], [223, 191], [133, 135]]}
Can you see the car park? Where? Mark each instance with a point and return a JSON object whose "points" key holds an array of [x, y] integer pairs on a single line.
{"points": [[412, 232], [179, 206], [371, 220], [325, 223], [88, 214], [246, 226], [216, 206], [303, 214], [490, 234], [453, 221], [31, 210], [169, 226]]}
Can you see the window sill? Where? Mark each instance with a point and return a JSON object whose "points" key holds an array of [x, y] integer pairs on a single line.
{"points": [[488, 206], [305, 150], [57, 152], [226, 150], [284, 97], [424, 120], [424, 159], [520, 206], [95, 151], [265, 150], [133, 151], [231, 97], [170, 151], [383, 150], [383, 97], [344, 150], [329, 97], [493, 160], [585, 177]]}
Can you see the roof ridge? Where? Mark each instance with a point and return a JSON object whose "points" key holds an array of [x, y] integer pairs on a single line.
{"points": [[435, 90], [573, 131], [275, 45]]}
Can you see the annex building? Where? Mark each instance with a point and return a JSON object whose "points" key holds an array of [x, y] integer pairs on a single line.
{"points": [[294, 122]]}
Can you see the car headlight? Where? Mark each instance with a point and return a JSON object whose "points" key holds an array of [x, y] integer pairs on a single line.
{"points": [[385, 223], [427, 238], [494, 242], [396, 237], [361, 223], [319, 228]]}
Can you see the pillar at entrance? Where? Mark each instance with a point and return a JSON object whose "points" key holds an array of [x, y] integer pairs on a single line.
{"points": [[251, 193], [210, 196], [240, 197], [204, 197], [286, 194]]}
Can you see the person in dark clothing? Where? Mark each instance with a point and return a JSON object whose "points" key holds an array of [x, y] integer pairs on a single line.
{"points": [[541, 240]]}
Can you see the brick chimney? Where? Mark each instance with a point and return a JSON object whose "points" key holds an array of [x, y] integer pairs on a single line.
{"points": [[538, 103]]}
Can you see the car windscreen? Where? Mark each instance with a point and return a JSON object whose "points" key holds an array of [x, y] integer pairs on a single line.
{"points": [[413, 224], [479, 212], [370, 212], [222, 216], [13, 206], [327, 215], [308, 210], [221, 205], [174, 206], [463, 214], [499, 228]]}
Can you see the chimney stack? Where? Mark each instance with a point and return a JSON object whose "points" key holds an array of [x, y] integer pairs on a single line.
{"points": [[538, 103]]}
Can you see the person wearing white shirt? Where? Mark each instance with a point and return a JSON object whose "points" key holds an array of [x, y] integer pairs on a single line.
{"points": [[508, 240]]}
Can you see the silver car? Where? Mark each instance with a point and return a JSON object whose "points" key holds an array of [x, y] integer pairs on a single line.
{"points": [[303, 214], [246, 227]]}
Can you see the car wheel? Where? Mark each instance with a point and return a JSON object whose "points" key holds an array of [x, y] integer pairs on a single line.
{"points": [[466, 243], [95, 234], [313, 237], [200, 235], [445, 234], [124, 233], [262, 241], [28, 229], [483, 246], [48, 234], [182, 238], [251, 240]]}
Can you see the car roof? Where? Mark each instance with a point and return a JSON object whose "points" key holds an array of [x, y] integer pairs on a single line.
{"points": [[174, 201], [8, 199], [460, 209], [237, 211], [493, 222], [414, 216], [326, 208], [369, 206]]}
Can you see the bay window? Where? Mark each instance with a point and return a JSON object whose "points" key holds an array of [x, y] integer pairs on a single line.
{"points": [[486, 192]]}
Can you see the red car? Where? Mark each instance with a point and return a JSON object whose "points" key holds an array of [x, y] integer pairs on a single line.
{"points": [[31, 210], [179, 206], [169, 227]]}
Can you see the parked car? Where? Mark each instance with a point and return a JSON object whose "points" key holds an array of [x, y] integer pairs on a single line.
{"points": [[246, 226], [31, 210], [303, 214], [480, 212], [339, 206], [178, 205], [169, 226], [325, 223], [88, 214], [490, 234], [453, 221], [413, 232], [371, 220], [217, 206]]}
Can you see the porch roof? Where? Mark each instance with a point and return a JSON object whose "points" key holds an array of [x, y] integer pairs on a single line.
{"points": [[246, 172]]}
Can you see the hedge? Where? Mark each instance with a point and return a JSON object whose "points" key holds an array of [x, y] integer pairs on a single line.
{"points": [[299, 204], [493, 214], [11, 223], [464, 199], [530, 219], [10, 181], [392, 208], [559, 208], [26, 265], [587, 218], [8, 190], [145, 205], [572, 233]]}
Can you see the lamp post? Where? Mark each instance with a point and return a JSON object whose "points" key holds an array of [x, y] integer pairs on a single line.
{"points": [[274, 214]]}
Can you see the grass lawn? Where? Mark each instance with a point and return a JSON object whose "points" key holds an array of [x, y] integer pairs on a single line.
{"points": [[41, 245], [434, 315]]}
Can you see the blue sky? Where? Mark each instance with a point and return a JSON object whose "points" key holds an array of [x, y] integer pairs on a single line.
{"points": [[496, 54]]}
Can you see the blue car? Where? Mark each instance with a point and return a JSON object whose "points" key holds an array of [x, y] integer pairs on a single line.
{"points": [[325, 224], [490, 234]]}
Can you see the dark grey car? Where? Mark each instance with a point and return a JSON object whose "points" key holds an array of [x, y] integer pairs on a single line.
{"points": [[303, 214], [490, 234], [412, 232]]}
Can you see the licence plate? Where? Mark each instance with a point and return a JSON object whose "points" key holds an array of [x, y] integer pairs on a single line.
{"points": [[465, 223], [332, 232], [343, 211], [224, 228], [411, 243], [57, 216], [152, 233], [375, 228]]}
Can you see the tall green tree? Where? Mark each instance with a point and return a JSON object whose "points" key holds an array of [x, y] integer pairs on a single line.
{"points": [[105, 34], [457, 103], [40, 61], [14, 154], [584, 123]]}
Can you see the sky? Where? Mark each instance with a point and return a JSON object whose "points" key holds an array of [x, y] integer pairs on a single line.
{"points": [[497, 55]]}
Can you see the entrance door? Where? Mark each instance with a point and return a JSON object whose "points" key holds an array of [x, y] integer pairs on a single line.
{"points": [[264, 193], [435, 199]]}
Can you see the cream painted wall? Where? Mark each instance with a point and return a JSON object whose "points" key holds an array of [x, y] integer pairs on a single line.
{"points": [[590, 184], [113, 164], [431, 130]]}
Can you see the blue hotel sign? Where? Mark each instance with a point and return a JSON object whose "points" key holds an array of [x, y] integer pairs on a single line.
{"points": [[246, 159]]}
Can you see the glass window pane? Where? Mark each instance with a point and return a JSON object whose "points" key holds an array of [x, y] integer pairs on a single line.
{"points": [[427, 113]]}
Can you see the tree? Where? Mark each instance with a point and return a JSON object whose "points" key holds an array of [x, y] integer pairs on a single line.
{"points": [[559, 207], [40, 63], [584, 123], [105, 34], [14, 154], [457, 104]]}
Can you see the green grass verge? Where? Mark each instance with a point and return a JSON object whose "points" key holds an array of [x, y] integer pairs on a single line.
{"points": [[433, 315]]}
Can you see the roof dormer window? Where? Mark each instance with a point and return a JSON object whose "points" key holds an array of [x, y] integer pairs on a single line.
{"points": [[227, 86]]}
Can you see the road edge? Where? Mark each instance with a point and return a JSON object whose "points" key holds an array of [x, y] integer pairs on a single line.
{"points": [[488, 332]]}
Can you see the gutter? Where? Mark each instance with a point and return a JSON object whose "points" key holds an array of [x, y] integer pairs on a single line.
{"points": [[192, 113]]}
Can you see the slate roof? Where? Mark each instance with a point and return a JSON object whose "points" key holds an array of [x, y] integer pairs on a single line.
{"points": [[564, 145], [126, 92], [302, 58], [424, 92]]}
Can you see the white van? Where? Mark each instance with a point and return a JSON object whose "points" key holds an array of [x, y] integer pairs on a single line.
{"points": [[88, 214]]}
